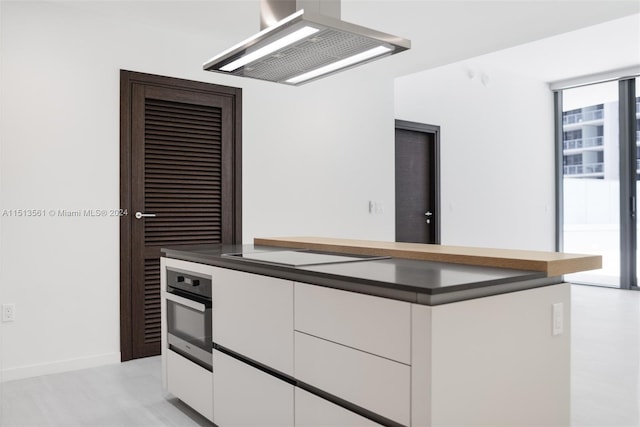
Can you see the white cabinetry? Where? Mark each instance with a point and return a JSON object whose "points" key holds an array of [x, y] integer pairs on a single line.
{"points": [[253, 316], [375, 383], [181, 377], [376, 325], [247, 397], [313, 411], [498, 357], [191, 383], [355, 346], [495, 357]]}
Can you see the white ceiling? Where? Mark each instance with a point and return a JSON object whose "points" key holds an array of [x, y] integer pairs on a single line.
{"points": [[613, 45], [441, 32], [444, 32]]}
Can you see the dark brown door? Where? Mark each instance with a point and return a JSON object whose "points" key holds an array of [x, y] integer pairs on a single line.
{"points": [[180, 186], [417, 183]]}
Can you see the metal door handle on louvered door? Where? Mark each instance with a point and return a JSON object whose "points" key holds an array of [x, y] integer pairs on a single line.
{"points": [[140, 215]]}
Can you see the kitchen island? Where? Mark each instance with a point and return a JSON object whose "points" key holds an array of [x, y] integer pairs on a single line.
{"points": [[383, 335]]}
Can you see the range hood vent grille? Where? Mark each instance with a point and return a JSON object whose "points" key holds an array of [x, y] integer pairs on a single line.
{"points": [[330, 46], [307, 55]]}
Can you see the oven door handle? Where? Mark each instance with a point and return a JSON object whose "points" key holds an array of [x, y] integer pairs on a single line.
{"points": [[186, 302]]}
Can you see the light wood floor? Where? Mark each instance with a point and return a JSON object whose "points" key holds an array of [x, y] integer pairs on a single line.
{"points": [[605, 357], [126, 394], [605, 379]]}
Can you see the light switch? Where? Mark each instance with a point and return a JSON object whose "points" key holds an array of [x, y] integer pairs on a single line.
{"points": [[375, 207], [8, 312], [558, 318]]}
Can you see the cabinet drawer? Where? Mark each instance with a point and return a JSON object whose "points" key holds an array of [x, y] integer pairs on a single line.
{"points": [[377, 384], [313, 411], [244, 396], [190, 383], [253, 316], [376, 325]]}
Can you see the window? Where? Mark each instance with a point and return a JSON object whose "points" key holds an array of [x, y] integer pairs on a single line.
{"points": [[573, 134], [600, 154], [574, 159]]}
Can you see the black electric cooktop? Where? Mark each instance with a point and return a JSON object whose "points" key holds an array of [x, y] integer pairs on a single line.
{"points": [[301, 258]]}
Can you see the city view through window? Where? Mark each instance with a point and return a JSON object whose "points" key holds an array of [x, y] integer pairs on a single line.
{"points": [[591, 178]]}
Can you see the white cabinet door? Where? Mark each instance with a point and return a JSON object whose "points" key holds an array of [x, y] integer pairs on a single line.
{"points": [[375, 383], [190, 383], [244, 396], [253, 316], [376, 325], [313, 411], [499, 358]]}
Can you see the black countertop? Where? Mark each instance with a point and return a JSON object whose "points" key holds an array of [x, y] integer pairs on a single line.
{"points": [[422, 282]]}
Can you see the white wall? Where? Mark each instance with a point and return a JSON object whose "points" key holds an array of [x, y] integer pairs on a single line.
{"points": [[497, 153], [313, 157]]}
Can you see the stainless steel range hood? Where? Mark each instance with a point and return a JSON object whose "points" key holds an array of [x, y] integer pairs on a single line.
{"points": [[302, 41]]}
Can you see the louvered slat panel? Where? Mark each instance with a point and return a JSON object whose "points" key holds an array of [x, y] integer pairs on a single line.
{"points": [[160, 103], [161, 207], [182, 173], [188, 116], [176, 194], [181, 187], [152, 300], [185, 181], [173, 162], [184, 240], [156, 124], [188, 143], [203, 175], [180, 133], [180, 162]]}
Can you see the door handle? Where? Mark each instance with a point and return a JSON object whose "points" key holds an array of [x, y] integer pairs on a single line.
{"points": [[140, 215], [186, 302], [428, 215]]}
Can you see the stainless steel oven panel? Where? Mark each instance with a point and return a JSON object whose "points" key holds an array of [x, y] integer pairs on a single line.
{"points": [[189, 272], [191, 352], [190, 321], [198, 285], [186, 302]]}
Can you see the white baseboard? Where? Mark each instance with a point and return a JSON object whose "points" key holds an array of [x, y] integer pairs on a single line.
{"points": [[57, 367]]}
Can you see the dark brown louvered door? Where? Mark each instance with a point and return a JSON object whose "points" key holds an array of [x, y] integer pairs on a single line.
{"points": [[178, 172], [183, 172], [182, 179]]}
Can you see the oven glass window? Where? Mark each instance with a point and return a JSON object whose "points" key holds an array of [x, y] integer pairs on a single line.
{"points": [[189, 324]]}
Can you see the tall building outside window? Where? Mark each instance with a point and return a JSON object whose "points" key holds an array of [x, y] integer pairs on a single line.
{"points": [[591, 177]]}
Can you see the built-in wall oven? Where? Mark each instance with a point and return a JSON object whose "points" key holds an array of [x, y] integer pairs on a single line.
{"points": [[189, 316]]}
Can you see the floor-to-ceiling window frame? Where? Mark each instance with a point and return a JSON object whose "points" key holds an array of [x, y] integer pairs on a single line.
{"points": [[628, 195], [628, 150]]}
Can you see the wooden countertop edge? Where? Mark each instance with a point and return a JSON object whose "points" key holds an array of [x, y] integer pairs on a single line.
{"points": [[551, 263]]}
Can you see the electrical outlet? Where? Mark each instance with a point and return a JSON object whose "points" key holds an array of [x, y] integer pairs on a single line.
{"points": [[558, 318], [8, 312]]}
